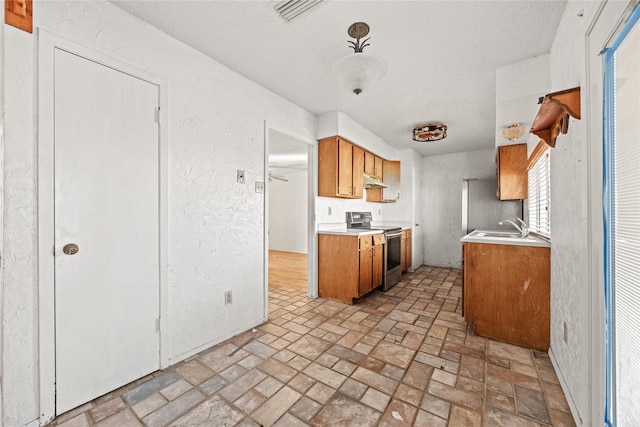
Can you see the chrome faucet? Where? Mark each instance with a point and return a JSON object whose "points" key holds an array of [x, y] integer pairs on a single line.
{"points": [[524, 230]]}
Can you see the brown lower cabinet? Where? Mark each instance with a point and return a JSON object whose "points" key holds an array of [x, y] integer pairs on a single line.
{"points": [[406, 256], [349, 266], [506, 293]]}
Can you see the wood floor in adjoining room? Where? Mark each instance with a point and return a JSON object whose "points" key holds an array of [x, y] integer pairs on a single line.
{"points": [[288, 270]]}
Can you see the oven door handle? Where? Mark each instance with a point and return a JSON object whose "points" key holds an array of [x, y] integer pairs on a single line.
{"points": [[394, 234]]}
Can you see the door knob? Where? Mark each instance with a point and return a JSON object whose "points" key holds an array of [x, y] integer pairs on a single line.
{"points": [[70, 249]]}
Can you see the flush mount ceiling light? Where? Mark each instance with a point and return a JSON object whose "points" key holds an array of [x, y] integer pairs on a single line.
{"points": [[432, 131], [359, 70], [513, 131]]}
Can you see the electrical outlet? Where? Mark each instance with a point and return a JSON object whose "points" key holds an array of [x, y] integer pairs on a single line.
{"points": [[259, 186], [240, 177], [565, 332], [329, 210], [228, 298]]}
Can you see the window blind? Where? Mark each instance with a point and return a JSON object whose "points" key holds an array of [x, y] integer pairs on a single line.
{"points": [[540, 195], [622, 223]]}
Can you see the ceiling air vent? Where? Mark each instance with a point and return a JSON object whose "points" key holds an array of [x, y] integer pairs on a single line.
{"points": [[291, 9]]}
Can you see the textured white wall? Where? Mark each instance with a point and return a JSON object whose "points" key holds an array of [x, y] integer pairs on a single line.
{"points": [[570, 293], [216, 125], [19, 246], [442, 202], [288, 213]]}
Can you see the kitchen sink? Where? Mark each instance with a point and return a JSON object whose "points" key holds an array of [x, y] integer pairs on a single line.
{"points": [[504, 237], [480, 233]]}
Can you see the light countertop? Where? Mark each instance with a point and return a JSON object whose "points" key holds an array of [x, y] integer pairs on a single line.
{"points": [[502, 237], [346, 232]]}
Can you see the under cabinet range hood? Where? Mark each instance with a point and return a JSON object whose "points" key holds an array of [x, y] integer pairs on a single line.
{"points": [[373, 183]]}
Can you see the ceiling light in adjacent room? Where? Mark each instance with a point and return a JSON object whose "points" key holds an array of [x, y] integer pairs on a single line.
{"points": [[513, 131], [359, 70], [431, 131]]}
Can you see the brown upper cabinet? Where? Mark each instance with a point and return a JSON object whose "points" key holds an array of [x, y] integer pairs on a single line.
{"points": [[391, 178], [511, 165], [340, 168], [373, 165]]}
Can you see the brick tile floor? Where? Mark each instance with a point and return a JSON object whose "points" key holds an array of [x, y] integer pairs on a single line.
{"points": [[404, 357]]}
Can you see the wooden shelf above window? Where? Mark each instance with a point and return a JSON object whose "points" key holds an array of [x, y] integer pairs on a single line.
{"points": [[19, 14], [553, 116]]}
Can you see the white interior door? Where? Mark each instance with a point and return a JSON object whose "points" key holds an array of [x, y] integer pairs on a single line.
{"points": [[107, 203]]}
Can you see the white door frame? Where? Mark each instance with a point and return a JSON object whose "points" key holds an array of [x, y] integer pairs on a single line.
{"points": [[312, 238], [607, 20], [47, 43]]}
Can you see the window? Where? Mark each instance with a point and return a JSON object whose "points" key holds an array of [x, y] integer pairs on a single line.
{"points": [[540, 191], [622, 223]]}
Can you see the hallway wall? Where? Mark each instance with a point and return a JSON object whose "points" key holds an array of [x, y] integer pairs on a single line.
{"points": [[288, 213]]}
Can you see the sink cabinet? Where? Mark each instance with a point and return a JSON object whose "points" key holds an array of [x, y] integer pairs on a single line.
{"points": [[349, 266], [511, 164], [340, 168], [506, 293]]}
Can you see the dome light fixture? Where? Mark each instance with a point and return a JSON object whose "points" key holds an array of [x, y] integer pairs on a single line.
{"points": [[359, 70], [431, 131], [513, 131]]}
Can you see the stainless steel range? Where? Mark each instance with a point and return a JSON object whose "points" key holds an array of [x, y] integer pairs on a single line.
{"points": [[392, 250]]}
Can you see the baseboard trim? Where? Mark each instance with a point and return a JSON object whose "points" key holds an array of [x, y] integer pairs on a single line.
{"points": [[565, 389]]}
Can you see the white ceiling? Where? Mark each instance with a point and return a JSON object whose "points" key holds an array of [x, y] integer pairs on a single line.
{"points": [[441, 55]]}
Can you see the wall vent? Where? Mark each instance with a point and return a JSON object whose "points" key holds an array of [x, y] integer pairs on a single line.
{"points": [[291, 9]]}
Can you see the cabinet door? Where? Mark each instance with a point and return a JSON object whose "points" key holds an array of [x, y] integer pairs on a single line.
{"points": [[338, 267], [512, 172], [391, 177], [366, 265], [379, 242], [408, 256], [358, 172], [403, 251], [369, 163], [372, 165], [378, 259], [345, 168], [377, 168]]}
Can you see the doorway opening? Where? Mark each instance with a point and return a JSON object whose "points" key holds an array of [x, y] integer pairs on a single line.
{"points": [[289, 225]]}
